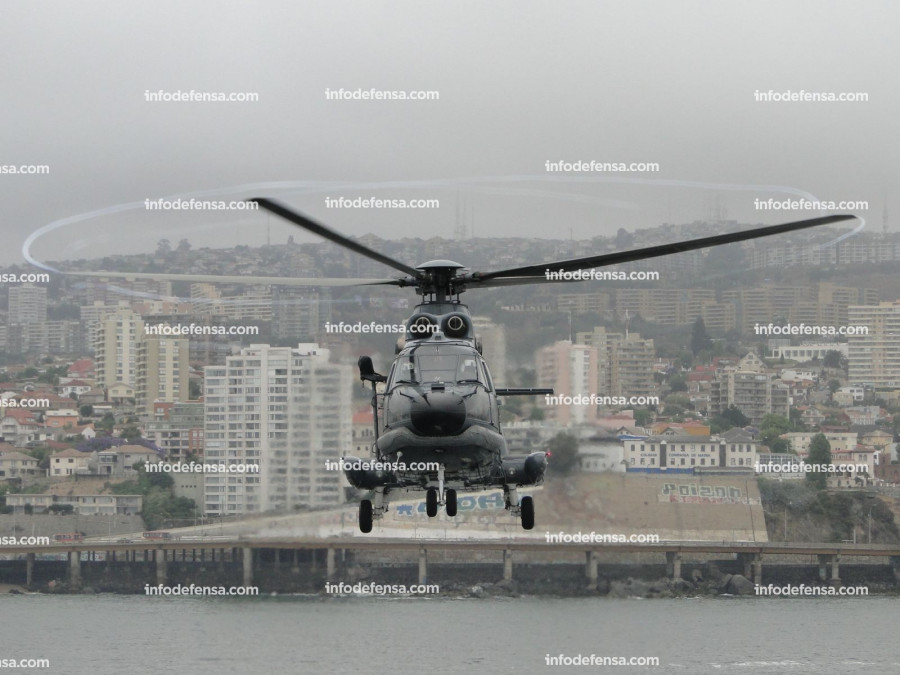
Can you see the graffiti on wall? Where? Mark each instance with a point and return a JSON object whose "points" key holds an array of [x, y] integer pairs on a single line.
{"points": [[692, 493]]}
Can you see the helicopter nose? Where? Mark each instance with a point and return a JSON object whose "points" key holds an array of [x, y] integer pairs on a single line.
{"points": [[438, 414]]}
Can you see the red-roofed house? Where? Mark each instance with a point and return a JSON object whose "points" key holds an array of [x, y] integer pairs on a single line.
{"points": [[20, 426], [82, 368]]}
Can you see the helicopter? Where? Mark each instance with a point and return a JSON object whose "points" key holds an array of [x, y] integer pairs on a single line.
{"points": [[439, 430]]}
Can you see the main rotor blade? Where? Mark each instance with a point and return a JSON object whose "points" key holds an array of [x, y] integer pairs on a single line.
{"points": [[517, 281], [652, 251], [226, 279], [331, 235]]}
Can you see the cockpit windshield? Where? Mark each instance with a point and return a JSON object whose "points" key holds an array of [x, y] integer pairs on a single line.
{"points": [[433, 366]]}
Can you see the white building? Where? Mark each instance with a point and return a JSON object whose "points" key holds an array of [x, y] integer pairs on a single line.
{"points": [[285, 409], [874, 358], [808, 352], [116, 346], [734, 450]]}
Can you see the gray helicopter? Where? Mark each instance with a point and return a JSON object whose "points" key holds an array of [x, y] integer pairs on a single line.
{"points": [[439, 424]]}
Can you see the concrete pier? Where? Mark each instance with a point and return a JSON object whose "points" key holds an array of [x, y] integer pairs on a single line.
{"points": [[590, 569], [75, 569], [161, 567], [673, 564], [248, 565], [507, 565], [423, 565]]}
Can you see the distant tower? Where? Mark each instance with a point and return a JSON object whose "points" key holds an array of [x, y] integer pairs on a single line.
{"points": [[884, 218]]}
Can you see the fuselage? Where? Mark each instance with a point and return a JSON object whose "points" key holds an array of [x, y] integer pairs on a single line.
{"points": [[439, 402]]}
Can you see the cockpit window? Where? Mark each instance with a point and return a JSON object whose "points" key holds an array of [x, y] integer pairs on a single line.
{"points": [[428, 367]]}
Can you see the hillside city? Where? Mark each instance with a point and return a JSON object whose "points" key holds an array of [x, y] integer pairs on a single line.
{"points": [[752, 358]]}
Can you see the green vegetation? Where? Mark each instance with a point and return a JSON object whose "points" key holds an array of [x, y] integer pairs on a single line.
{"points": [[798, 511], [819, 453], [563, 450], [160, 504], [731, 417]]}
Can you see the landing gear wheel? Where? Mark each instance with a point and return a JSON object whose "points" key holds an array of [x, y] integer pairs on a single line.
{"points": [[451, 503], [431, 502], [365, 516], [527, 513]]}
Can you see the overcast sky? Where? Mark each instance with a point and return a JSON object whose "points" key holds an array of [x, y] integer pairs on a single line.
{"points": [[520, 83]]}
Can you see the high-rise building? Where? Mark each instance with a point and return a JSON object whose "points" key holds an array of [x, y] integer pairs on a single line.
{"points": [[116, 345], [631, 367], [874, 357], [625, 362], [296, 313], [571, 370], [161, 371], [178, 432], [27, 304], [749, 388], [285, 409]]}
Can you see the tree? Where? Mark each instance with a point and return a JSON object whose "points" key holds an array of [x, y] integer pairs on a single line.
{"points": [[833, 386], [537, 414], [700, 340], [734, 415], [130, 433], [676, 404], [678, 383], [834, 359], [642, 417], [563, 449], [86, 410], [772, 426], [819, 455], [163, 247], [184, 246], [108, 422]]}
